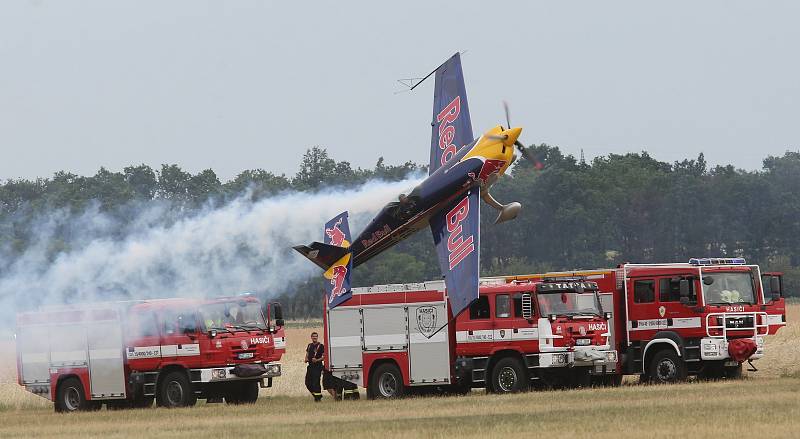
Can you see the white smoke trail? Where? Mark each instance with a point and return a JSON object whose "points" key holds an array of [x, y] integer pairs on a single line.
{"points": [[241, 246]]}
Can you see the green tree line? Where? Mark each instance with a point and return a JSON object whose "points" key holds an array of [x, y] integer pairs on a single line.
{"points": [[576, 214]]}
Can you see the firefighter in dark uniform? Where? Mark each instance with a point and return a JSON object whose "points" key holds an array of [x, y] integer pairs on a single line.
{"points": [[314, 353]]}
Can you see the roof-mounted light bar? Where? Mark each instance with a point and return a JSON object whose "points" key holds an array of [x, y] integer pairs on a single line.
{"points": [[717, 261], [563, 279]]}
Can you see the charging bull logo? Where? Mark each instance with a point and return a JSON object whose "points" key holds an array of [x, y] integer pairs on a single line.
{"points": [[426, 320], [337, 282], [335, 234]]}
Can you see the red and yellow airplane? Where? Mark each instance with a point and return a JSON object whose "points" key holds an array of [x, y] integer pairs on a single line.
{"points": [[461, 169]]}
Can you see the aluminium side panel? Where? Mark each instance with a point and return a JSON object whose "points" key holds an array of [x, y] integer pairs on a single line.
{"points": [[429, 345], [33, 347], [106, 364], [345, 337], [68, 345], [385, 328]]}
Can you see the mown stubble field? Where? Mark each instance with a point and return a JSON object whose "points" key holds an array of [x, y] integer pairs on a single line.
{"points": [[766, 403]]}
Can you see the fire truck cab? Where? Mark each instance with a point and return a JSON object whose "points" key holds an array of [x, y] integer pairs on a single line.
{"points": [[547, 333], [128, 354]]}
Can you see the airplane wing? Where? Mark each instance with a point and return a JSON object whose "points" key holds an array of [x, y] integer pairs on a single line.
{"points": [[452, 127], [456, 233]]}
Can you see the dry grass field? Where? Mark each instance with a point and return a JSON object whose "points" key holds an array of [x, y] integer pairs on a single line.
{"points": [[766, 403]]}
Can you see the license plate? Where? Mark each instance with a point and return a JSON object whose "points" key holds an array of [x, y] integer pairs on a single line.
{"points": [[245, 355], [583, 342]]}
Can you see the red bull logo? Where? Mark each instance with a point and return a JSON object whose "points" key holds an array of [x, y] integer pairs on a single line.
{"points": [[447, 132], [335, 234], [337, 282], [458, 246]]}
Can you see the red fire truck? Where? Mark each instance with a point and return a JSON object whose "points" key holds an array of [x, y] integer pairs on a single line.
{"points": [[394, 339], [704, 318], [127, 354]]}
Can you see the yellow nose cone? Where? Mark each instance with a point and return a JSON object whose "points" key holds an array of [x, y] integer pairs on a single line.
{"points": [[513, 134]]}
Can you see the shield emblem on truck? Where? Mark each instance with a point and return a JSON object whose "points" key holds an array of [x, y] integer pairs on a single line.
{"points": [[426, 320]]}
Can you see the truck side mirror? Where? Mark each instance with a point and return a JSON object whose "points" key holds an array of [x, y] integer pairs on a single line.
{"points": [[276, 308], [775, 287], [684, 288]]}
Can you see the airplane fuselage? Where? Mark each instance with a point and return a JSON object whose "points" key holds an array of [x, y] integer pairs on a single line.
{"points": [[474, 166]]}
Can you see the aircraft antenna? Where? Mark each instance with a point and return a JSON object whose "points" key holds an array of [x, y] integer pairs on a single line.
{"points": [[412, 83]]}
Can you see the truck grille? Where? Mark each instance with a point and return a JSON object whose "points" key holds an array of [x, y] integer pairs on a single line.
{"points": [[740, 322]]}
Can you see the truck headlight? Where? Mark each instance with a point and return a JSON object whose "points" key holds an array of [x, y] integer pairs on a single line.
{"points": [[611, 356], [273, 369], [219, 374]]}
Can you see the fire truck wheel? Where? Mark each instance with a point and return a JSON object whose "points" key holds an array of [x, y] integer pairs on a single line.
{"points": [[175, 391], [386, 382], [242, 393], [508, 376], [70, 397], [734, 372], [666, 367]]}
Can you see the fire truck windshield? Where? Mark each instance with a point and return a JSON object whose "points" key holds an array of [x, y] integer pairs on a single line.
{"points": [[568, 303], [725, 288], [233, 316]]}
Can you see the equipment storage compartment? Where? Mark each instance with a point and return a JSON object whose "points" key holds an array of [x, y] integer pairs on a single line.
{"points": [[429, 349], [385, 328], [345, 347], [106, 368]]}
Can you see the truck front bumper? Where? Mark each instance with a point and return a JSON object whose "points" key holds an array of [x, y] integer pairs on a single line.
{"points": [[602, 360], [716, 348], [222, 374]]}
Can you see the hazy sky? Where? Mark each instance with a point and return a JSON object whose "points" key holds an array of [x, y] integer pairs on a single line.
{"points": [[233, 85]]}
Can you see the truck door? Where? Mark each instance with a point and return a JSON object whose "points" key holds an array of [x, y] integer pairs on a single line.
{"points": [[643, 318], [679, 316], [775, 306], [474, 328], [177, 343], [508, 314], [142, 339]]}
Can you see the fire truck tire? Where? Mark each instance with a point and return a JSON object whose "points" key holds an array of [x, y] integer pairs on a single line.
{"points": [[734, 372], [508, 376], [71, 398], [666, 367], [386, 382], [614, 380], [245, 392], [175, 390]]}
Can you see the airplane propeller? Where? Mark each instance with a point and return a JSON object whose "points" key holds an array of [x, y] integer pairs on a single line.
{"points": [[520, 147]]}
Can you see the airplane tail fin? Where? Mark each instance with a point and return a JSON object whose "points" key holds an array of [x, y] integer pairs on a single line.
{"points": [[334, 256]]}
